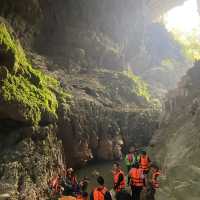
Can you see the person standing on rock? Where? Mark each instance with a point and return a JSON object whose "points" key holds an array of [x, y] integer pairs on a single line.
{"points": [[100, 192], [131, 158], [118, 178], [138, 181], [145, 162]]}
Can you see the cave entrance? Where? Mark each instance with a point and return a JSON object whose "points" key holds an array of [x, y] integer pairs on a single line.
{"points": [[184, 24], [184, 18]]}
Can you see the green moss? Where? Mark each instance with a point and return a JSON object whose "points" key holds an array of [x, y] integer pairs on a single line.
{"points": [[140, 85], [10, 43], [28, 87], [19, 89]]}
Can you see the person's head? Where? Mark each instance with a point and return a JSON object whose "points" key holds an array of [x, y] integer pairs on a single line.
{"points": [[155, 167], [100, 180], [144, 153], [136, 165], [116, 166], [69, 172]]}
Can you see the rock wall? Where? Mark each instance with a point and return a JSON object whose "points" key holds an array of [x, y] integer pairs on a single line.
{"points": [[30, 149], [176, 144]]}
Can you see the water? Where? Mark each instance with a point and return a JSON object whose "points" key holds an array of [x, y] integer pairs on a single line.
{"points": [[105, 170]]}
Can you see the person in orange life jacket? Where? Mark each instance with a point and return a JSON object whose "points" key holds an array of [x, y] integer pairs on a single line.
{"points": [[138, 181], [118, 178], [153, 181], [100, 192], [145, 162]]}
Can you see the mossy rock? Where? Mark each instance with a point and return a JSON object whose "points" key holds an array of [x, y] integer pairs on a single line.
{"points": [[26, 90]]}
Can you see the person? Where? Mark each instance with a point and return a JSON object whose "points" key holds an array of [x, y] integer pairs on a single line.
{"points": [[138, 181], [54, 185], [83, 184], [118, 178], [145, 162], [154, 184], [131, 158], [100, 192], [67, 183]]}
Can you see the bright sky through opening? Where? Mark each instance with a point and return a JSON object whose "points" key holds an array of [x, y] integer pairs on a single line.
{"points": [[183, 18]]}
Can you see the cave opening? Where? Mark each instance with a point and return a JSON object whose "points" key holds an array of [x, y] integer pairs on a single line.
{"points": [[184, 24], [184, 18]]}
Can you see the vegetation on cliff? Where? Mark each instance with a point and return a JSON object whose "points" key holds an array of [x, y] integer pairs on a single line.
{"points": [[140, 86], [24, 85], [190, 44]]}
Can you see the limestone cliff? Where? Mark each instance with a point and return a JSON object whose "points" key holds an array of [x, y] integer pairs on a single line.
{"points": [[176, 144]]}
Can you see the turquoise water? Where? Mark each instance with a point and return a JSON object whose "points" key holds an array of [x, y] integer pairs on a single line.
{"points": [[105, 170]]}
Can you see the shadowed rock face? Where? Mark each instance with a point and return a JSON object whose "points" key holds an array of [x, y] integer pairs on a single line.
{"points": [[176, 144]]}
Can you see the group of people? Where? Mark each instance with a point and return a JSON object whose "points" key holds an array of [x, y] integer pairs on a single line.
{"points": [[65, 183], [141, 176]]}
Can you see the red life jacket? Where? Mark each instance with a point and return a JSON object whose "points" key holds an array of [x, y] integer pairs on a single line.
{"points": [[144, 162], [55, 185], [154, 180], [99, 193], [123, 182], [130, 158], [137, 177]]}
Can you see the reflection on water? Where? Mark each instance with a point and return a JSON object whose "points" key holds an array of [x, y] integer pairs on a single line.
{"points": [[104, 168]]}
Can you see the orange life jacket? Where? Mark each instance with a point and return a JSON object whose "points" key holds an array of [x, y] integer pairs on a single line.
{"points": [[154, 180], [123, 182], [137, 177], [144, 162], [99, 193], [67, 198]]}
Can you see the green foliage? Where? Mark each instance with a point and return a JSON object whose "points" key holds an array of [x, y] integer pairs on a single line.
{"points": [[140, 85], [21, 90], [11, 44], [28, 87], [190, 44]]}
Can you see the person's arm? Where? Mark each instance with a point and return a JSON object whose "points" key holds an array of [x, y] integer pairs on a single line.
{"points": [[107, 196], [144, 177], [91, 196], [129, 177], [126, 160], [120, 179]]}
